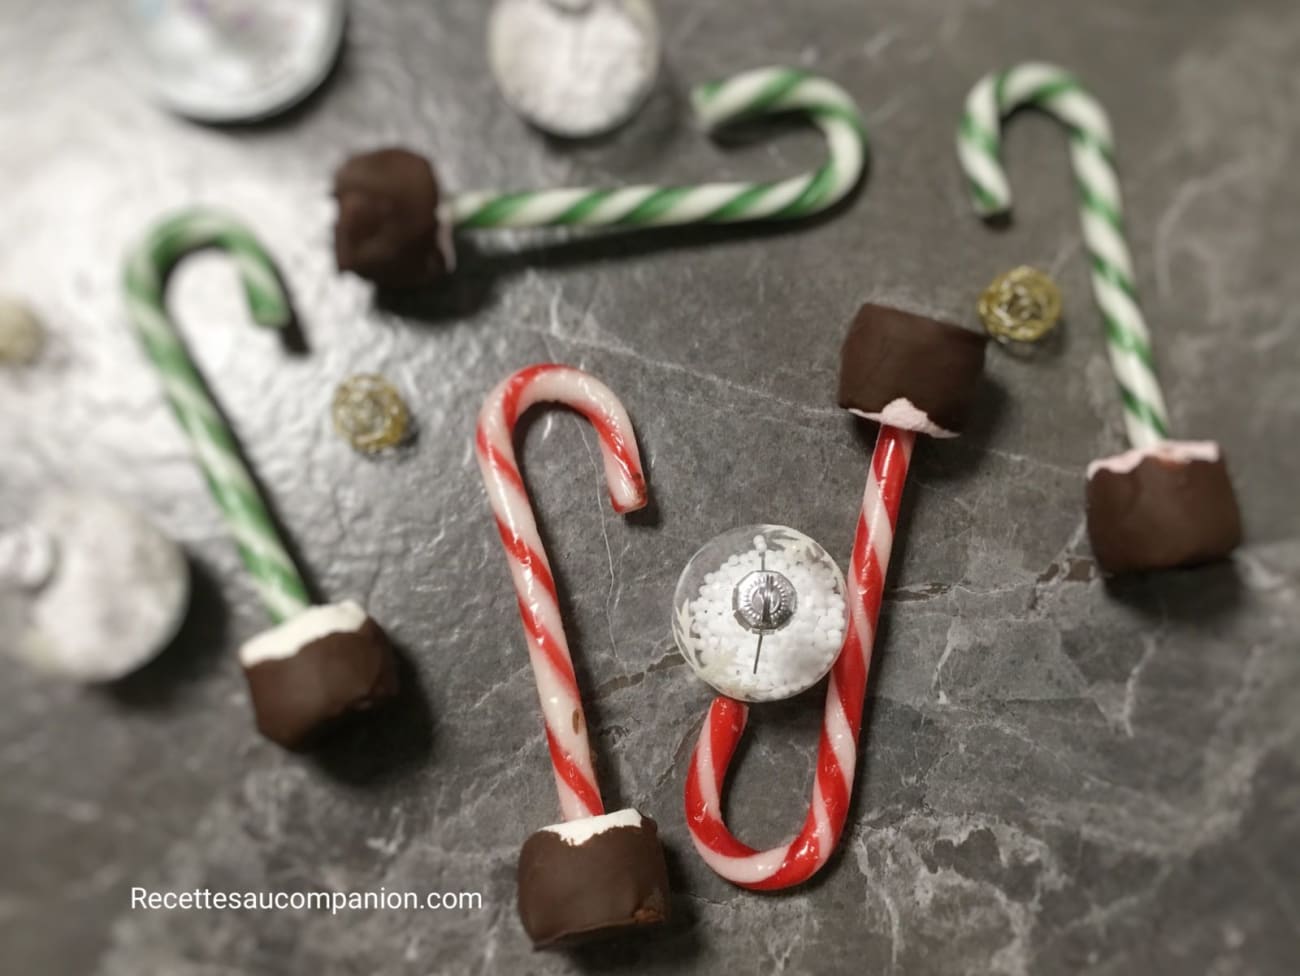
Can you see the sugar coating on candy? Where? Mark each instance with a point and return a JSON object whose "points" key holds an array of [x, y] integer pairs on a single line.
{"points": [[291, 636], [905, 415], [582, 830], [723, 650], [1173, 452]]}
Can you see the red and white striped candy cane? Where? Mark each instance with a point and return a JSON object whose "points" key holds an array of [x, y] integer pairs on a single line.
{"points": [[548, 650], [837, 752]]}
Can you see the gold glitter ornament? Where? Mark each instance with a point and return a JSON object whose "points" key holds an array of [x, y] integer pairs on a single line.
{"points": [[21, 332], [1022, 305], [369, 413]]}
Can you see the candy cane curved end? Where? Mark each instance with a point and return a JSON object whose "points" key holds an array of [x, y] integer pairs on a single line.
{"points": [[778, 90], [999, 94], [582, 392], [319, 662], [538, 600], [765, 91], [172, 239], [808, 852], [1060, 94], [279, 583]]}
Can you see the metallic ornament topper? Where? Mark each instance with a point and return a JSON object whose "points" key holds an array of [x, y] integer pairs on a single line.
{"points": [[764, 601]]}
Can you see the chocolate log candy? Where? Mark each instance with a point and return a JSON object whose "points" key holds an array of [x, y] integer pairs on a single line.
{"points": [[909, 371], [316, 667], [388, 228], [1160, 507], [591, 877]]}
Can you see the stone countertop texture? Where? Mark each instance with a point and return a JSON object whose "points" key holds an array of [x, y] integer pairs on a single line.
{"points": [[1059, 775]]}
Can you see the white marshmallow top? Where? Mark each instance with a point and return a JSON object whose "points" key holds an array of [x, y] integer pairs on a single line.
{"points": [[906, 415], [1177, 452], [294, 634], [577, 832]]}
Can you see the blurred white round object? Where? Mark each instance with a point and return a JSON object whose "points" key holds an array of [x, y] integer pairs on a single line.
{"points": [[236, 60], [27, 558], [759, 613], [574, 68], [114, 591], [21, 332]]}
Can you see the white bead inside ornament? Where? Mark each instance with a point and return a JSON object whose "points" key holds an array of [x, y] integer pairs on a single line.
{"points": [[759, 613]]}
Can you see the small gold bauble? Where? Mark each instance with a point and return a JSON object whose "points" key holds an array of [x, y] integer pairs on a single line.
{"points": [[21, 332], [1022, 305], [369, 413]]}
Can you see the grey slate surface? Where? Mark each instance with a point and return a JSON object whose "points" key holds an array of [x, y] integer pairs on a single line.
{"points": [[1058, 775]]}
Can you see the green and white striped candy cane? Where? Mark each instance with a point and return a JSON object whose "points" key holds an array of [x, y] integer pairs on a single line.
{"points": [[278, 581], [979, 140], [761, 92]]}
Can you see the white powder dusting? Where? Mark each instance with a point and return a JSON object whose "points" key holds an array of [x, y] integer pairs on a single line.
{"points": [[580, 831], [1171, 452], [574, 67], [905, 415], [291, 636]]}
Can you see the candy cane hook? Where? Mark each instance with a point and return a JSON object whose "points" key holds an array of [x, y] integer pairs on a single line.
{"points": [[548, 649], [277, 579], [910, 374], [837, 750], [1092, 151], [751, 95], [1165, 503], [320, 662], [597, 872], [395, 228]]}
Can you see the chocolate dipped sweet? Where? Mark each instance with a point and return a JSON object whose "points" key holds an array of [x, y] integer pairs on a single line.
{"points": [[909, 371], [592, 877], [389, 229], [316, 667], [1161, 507]]}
